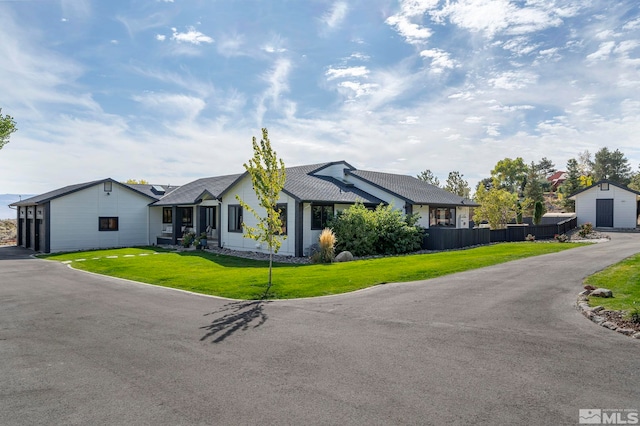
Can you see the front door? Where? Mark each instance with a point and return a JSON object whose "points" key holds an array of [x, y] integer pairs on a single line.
{"points": [[604, 213]]}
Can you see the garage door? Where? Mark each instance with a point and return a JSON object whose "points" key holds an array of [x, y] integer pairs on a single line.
{"points": [[604, 213]]}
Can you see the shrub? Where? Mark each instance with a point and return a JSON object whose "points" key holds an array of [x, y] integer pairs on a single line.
{"points": [[530, 237], [585, 229], [326, 251], [634, 315], [381, 231], [188, 238]]}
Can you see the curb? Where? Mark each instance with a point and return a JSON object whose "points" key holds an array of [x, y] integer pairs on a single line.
{"points": [[592, 314]]}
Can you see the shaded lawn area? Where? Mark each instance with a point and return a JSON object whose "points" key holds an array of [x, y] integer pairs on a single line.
{"points": [[624, 280], [238, 278]]}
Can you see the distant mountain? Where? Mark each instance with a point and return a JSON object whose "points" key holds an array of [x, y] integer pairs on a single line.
{"points": [[5, 200]]}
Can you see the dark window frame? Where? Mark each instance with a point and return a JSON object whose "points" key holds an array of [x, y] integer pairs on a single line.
{"points": [[187, 213], [604, 186], [236, 226], [108, 223], [211, 213], [324, 216], [108, 186], [283, 208], [449, 219], [167, 215]]}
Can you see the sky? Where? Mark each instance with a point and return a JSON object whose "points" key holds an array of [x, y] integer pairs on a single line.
{"points": [[173, 90]]}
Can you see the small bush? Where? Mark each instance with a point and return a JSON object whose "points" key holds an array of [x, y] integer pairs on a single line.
{"points": [[326, 252], [634, 315], [585, 229], [530, 237], [188, 239]]}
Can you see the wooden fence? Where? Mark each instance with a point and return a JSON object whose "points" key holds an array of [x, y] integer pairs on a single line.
{"points": [[446, 238]]}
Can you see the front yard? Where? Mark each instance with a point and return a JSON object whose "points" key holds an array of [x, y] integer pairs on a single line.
{"points": [[623, 279], [238, 278]]}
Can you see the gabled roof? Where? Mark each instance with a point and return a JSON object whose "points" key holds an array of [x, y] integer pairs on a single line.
{"points": [[154, 191], [556, 176], [612, 183], [304, 185], [192, 192], [411, 189], [60, 192]]}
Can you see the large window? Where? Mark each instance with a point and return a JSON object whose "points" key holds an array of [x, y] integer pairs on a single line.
{"points": [[167, 215], [235, 218], [283, 218], [108, 224], [187, 216], [320, 216], [442, 216]]}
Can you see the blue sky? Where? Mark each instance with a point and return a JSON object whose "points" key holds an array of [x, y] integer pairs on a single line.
{"points": [[173, 90]]}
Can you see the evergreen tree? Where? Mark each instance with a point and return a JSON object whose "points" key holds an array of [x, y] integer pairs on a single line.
{"points": [[429, 177]]}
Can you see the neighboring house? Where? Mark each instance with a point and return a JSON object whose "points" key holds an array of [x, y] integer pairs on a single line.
{"points": [[557, 179], [607, 204], [98, 214], [73, 218]]}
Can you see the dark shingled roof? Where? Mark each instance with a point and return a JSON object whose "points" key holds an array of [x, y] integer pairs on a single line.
{"points": [[411, 189], [48, 196], [193, 191], [305, 186]]}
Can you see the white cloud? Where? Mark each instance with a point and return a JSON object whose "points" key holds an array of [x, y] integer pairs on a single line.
{"points": [[161, 37], [192, 36], [334, 73], [357, 89], [172, 104], [512, 80], [336, 15], [440, 60], [413, 33], [277, 80], [603, 52]]}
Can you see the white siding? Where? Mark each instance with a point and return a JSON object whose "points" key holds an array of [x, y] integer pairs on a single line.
{"points": [[237, 240], [74, 219], [624, 206], [335, 171]]}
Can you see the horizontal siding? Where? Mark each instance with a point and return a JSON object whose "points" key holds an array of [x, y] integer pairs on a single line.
{"points": [[74, 219], [624, 206]]}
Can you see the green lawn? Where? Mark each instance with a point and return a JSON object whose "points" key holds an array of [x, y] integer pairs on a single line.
{"points": [[624, 280], [238, 278]]}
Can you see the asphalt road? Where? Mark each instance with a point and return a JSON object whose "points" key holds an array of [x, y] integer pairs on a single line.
{"points": [[499, 345]]}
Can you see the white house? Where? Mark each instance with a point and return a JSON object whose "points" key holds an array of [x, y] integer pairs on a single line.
{"points": [[607, 204], [106, 213]]}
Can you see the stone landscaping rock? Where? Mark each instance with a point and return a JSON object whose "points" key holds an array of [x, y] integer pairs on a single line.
{"points": [[626, 331], [637, 335], [344, 256], [601, 292], [584, 293], [609, 325], [589, 288], [596, 309]]}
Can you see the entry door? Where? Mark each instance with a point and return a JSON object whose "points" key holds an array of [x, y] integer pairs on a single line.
{"points": [[604, 213]]}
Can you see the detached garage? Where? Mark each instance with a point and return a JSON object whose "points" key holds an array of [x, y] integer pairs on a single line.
{"points": [[607, 204]]}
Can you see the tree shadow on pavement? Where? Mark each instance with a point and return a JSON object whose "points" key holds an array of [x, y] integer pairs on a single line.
{"points": [[236, 316]]}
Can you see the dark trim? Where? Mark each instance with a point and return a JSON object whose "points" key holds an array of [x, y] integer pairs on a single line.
{"points": [[174, 234], [299, 225], [108, 227], [333, 208], [408, 208], [219, 225], [240, 217], [47, 227], [333, 163]]}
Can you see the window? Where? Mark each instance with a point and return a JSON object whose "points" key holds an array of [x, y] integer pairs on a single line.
{"points": [[108, 186], [210, 218], [235, 218], [187, 216], [108, 224], [604, 186], [320, 216], [283, 218], [167, 215], [442, 216]]}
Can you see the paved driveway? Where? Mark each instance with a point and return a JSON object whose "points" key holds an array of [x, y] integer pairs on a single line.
{"points": [[500, 345]]}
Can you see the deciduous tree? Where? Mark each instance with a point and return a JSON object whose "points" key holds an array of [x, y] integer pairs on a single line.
{"points": [[510, 174], [497, 206], [268, 177], [7, 127]]}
